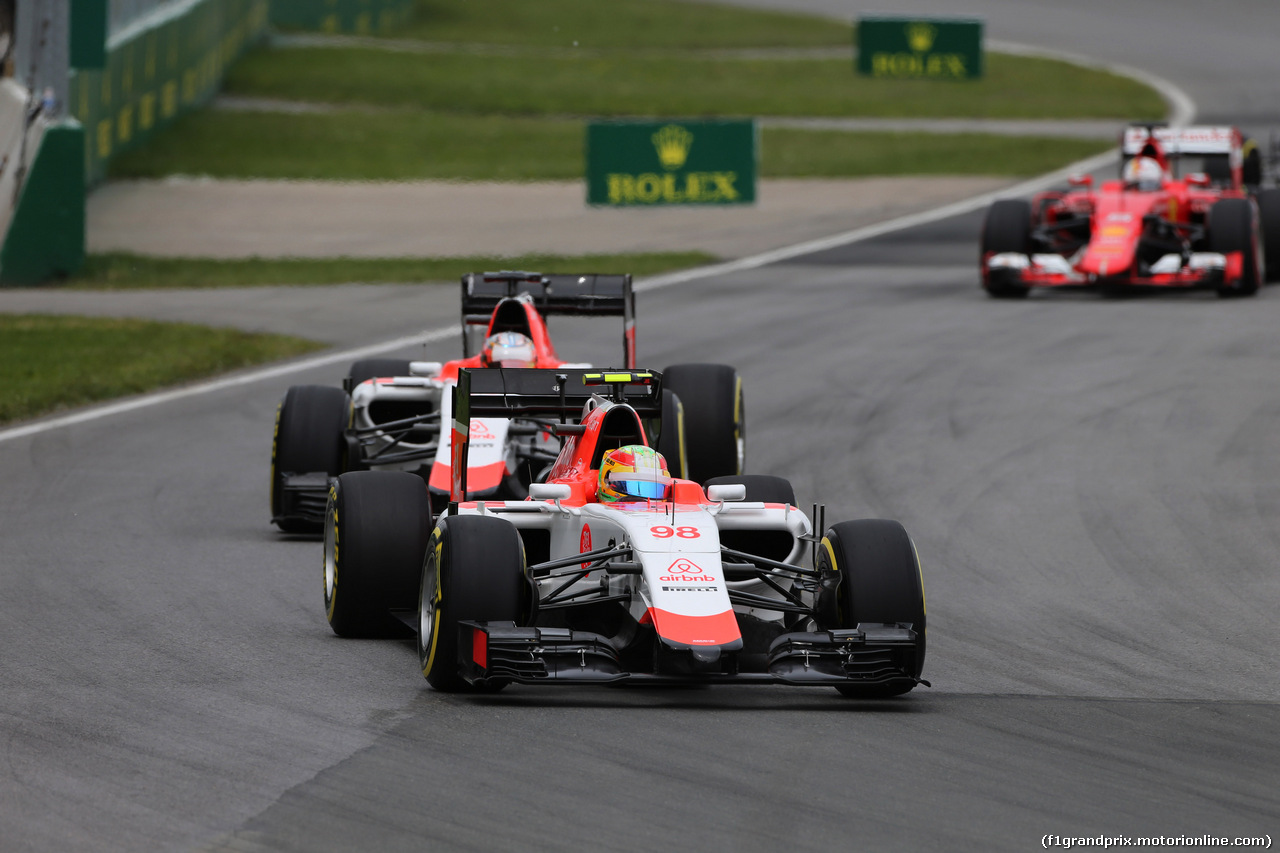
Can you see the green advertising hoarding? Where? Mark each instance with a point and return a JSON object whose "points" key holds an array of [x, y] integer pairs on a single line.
{"points": [[361, 17], [678, 161], [924, 48]]}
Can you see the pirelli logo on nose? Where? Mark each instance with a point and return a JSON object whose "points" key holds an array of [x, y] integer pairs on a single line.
{"points": [[633, 163]]}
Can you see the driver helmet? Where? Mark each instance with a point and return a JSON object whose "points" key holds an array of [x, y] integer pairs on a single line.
{"points": [[508, 349], [1145, 173], [633, 472]]}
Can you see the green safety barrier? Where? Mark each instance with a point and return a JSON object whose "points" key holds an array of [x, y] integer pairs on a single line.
{"points": [[362, 17], [924, 48], [155, 73], [46, 237], [671, 162]]}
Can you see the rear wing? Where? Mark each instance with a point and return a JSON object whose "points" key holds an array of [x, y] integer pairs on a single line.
{"points": [[525, 392], [585, 294], [1176, 141]]}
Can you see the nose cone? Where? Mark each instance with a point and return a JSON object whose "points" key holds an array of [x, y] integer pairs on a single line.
{"points": [[1111, 251]]}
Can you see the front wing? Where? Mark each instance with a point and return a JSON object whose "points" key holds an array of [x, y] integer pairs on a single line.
{"points": [[1200, 270]]}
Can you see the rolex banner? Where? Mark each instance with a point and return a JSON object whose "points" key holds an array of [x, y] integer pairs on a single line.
{"points": [[671, 162], [926, 48]]}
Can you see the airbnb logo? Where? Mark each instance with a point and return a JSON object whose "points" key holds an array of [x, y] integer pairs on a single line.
{"points": [[685, 569]]}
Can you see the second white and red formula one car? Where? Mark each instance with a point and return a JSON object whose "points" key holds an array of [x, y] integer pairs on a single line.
{"points": [[615, 571], [1158, 226]]}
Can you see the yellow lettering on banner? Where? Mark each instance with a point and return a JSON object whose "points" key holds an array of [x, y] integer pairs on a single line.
{"points": [[918, 65], [363, 24], [83, 112], [670, 194], [622, 189], [104, 138], [188, 85], [724, 185], [169, 99], [146, 111], [124, 124], [329, 24], [648, 188]]}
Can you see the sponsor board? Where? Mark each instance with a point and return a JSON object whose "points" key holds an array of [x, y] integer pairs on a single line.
{"points": [[646, 163], [923, 48]]}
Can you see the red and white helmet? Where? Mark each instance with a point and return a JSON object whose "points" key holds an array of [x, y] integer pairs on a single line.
{"points": [[508, 349], [1144, 173]]}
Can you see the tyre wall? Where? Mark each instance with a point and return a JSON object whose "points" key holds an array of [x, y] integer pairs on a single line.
{"points": [[361, 17]]}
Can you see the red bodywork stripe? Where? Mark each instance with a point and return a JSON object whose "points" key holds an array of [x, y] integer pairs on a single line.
{"points": [[714, 630], [479, 479], [480, 648]]}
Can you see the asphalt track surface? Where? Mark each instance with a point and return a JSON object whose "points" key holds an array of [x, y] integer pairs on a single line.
{"points": [[1093, 486]]}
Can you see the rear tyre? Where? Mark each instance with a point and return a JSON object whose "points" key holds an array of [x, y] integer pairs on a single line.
{"points": [[714, 418], [1007, 228], [376, 531], [671, 441], [1269, 224], [761, 487], [474, 571], [879, 582], [1233, 228], [310, 421], [374, 368]]}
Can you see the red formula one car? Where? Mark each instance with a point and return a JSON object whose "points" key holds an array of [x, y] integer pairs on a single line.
{"points": [[1160, 225], [613, 570]]}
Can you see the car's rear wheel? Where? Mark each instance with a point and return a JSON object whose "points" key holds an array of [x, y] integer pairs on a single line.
{"points": [[376, 531], [1269, 224], [880, 582], [374, 368], [474, 571], [671, 441], [310, 421], [715, 434], [1006, 228], [1233, 228]]}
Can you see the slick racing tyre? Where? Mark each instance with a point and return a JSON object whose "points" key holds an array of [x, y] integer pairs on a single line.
{"points": [[376, 531], [714, 418], [879, 582], [310, 421], [1269, 224], [1233, 228], [374, 368], [671, 439], [474, 571], [1007, 228]]}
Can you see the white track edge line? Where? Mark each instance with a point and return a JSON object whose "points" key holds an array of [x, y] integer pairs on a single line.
{"points": [[1182, 111]]}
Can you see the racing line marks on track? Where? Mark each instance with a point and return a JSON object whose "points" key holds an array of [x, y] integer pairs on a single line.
{"points": [[1182, 111]]}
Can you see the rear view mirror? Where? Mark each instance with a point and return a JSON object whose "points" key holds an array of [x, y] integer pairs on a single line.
{"points": [[1198, 179], [550, 491], [1080, 180], [727, 492]]}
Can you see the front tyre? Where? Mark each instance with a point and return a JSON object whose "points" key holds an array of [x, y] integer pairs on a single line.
{"points": [[310, 422], [376, 530], [880, 582], [474, 571], [1234, 228], [1006, 228]]}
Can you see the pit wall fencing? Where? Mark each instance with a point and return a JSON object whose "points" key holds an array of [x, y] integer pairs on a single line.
{"points": [[360, 17]]}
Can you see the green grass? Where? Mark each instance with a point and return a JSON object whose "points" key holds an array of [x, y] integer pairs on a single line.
{"points": [[120, 271], [621, 85], [621, 24], [829, 154], [49, 363], [409, 145]]}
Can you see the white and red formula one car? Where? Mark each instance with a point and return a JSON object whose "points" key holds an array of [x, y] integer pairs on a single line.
{"points": [[1160, 225], [388, 414], [613, 570]]}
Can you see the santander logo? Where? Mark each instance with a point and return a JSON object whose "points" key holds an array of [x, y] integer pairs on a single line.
{"points": [[685, 569]]}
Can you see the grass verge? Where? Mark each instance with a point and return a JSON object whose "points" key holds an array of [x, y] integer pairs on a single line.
{"points": [[49, 363], [622, 85], [121, 271], [620, 24], [409, 145]]}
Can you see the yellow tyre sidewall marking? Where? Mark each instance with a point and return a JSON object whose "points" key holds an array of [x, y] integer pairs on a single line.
{"points": [[438, 556]]}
